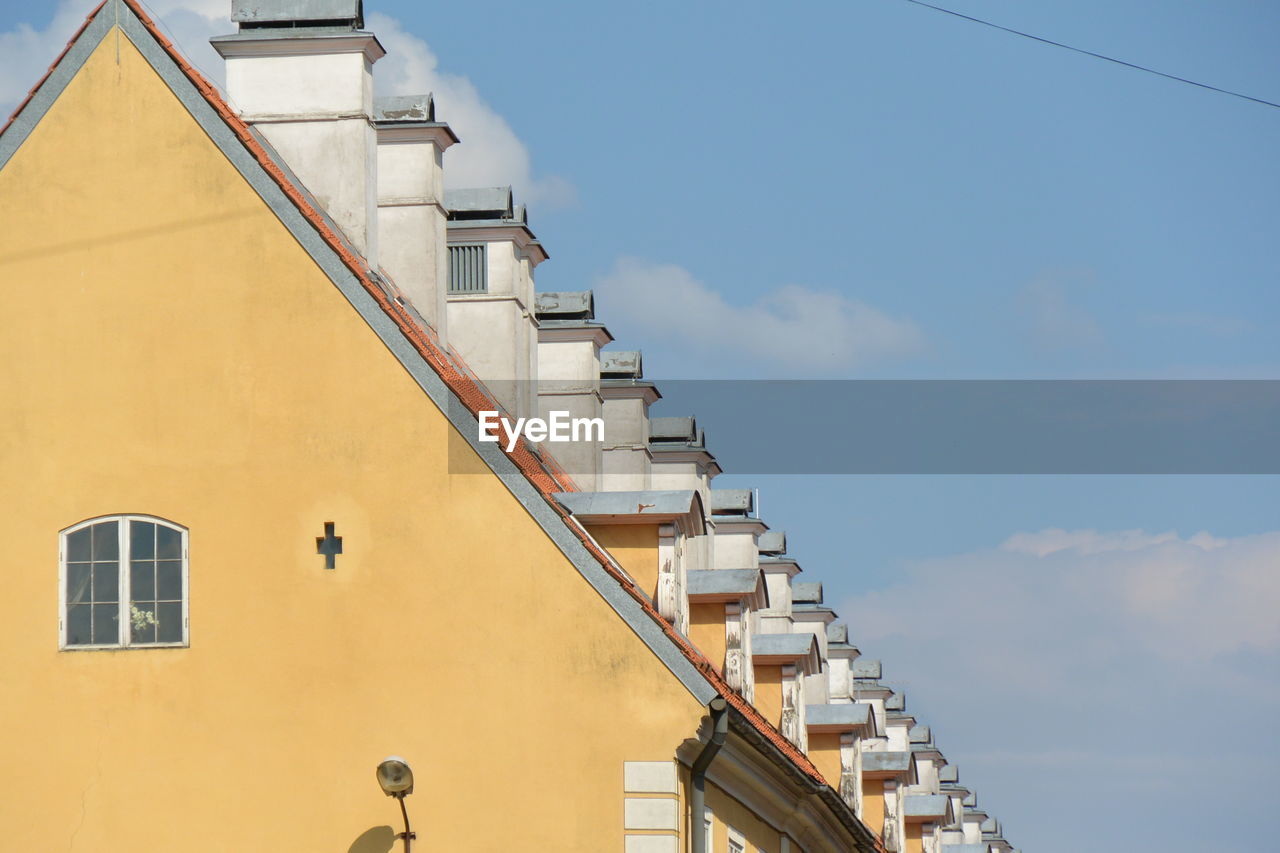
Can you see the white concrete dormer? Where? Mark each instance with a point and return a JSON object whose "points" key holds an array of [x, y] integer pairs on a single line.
{"points": [[491, 310], [412, 219], [301, 73]]}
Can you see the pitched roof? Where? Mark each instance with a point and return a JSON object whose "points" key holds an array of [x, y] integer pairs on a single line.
{"points": [[537, 479]]}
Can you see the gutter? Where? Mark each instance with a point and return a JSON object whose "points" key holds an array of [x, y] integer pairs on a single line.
{"points": [[719, 710], [865, 839]]}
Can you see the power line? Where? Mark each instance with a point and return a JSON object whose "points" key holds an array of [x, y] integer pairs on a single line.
{"points": [[1094, 55]]}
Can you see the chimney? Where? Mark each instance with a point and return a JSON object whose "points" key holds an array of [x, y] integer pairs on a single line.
{"points": [[491, 319], [412, 219], [301, 73], [626, 462], [569, 342], [680, 456]]}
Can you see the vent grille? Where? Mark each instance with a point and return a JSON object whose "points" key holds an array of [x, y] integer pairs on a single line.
{"points": [[467, 269]]}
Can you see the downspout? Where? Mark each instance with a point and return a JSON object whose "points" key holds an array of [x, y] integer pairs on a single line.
{"points": [[698, 775]]}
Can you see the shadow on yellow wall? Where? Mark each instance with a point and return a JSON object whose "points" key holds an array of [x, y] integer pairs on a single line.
{"points": [[377, 839]]}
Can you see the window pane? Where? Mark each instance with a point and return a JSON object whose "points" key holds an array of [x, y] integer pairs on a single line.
{"points": [[142, 622], [77, 582], [168, 543], [106, 624], [142, 540], [106, 541], [170, 622], [78, 545], [142, 581], [78, 625], [169, 580], [106, 582]]}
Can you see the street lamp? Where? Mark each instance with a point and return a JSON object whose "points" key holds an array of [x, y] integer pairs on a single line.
{"points": [[396, 780]]}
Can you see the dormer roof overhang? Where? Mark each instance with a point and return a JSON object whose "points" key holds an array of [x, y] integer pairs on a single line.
{"points": [[843, 651], [298, 41], [771, 564], [849, 718], [648, 507], [869, 688], [630, 389], [804, 612], [708, 586], [737, 524], [671, 452], [573, 331], [410, 118], [926, 808], [800, 649], [497, 231], [898, 719], [889, 765]]}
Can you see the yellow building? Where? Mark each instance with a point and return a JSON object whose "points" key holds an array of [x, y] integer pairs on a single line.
{"points": [[254, 544]]}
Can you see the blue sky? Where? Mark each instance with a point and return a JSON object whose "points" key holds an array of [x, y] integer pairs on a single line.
{"points": [[873, 189]]}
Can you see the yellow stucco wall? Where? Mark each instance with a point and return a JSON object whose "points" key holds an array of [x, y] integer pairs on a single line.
{"points": [[824, 752], [635, 547], [769, 692], [915, 838], [706, 630], [873, 804], [166, 347]]}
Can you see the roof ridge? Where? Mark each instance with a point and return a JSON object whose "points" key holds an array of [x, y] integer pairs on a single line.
{"points": [[542, 472]]}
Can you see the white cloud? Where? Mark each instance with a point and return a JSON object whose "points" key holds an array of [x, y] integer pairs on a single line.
{"points": [[1045, 603], [490, 155], [1090, 667], [797, 327]]}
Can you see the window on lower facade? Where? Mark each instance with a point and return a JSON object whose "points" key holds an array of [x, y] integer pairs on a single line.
{"points": [[468, 269], [123, 583]]}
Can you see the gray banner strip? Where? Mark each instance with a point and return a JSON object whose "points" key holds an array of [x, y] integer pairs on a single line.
{"points": [[982, 427]]}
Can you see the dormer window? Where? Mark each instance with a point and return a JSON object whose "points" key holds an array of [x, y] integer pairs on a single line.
{"points": [[123, 583]]}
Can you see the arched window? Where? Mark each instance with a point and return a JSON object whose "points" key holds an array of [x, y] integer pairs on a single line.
{"points": [[123, 582]]}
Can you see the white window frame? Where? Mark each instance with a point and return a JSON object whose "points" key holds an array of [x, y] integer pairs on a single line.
{"points": [[125, 636], [737, 841]]}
